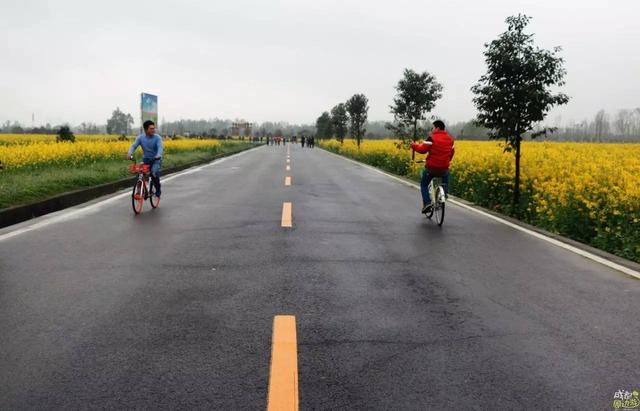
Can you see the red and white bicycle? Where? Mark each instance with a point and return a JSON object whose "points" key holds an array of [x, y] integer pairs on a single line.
{"points": [[144, 187]]}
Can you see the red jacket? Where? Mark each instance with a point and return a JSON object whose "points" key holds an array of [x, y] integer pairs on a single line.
{"points": [[440, 149]]}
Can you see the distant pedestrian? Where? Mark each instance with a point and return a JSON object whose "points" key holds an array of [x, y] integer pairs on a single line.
{"points": [[302, 141]]}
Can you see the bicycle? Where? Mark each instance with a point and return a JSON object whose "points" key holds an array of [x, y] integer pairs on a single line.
{"points": [[143, 188], [438, 197]]}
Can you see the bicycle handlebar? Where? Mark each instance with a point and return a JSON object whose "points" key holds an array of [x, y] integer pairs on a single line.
{"points": [[133, 158]]}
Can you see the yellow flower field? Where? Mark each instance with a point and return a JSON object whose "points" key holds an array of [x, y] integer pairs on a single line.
{"points": [[50, 138], [590, 192], [40, 154]]}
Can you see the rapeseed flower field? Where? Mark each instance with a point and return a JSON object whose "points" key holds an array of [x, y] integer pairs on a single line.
{"points": [[51, 138], [39, 154]]}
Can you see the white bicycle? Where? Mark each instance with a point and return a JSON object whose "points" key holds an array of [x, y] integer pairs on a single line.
{"points": [[438, 198]]}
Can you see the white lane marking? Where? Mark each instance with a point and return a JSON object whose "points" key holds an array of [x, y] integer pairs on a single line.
{"points": [[568, 247], [69, 214]]}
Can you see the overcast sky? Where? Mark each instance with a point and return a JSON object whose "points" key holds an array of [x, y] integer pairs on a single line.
{"points": [[290, 60]]}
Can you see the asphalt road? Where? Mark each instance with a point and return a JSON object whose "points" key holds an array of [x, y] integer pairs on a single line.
{"points": [[173, 309]]}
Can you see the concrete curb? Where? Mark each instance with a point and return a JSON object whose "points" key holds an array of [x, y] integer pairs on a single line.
{"points": [[14, 215], [613, 261]]}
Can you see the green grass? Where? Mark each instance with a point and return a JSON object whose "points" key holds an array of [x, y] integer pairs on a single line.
{"points": [[27, 186]]}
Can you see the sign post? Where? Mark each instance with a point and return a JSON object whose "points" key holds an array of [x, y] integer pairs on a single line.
{"points": [[148, 108]]}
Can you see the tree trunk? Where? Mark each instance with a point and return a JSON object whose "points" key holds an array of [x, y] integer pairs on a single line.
{"points": [[516, 187]]}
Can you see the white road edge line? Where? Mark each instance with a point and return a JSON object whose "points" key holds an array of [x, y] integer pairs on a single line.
{"points": [[75, 212], [569, 247]]}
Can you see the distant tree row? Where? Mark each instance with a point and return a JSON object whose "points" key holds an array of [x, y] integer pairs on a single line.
{"points": [[350, 116], [624, 126], [223, 128], [16, 128]]}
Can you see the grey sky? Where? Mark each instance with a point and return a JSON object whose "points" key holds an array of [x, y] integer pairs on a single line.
{"points": [[290, 60]]}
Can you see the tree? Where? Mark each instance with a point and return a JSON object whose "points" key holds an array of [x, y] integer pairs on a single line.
{"points": [[88, 128], [357, 107], [416, 96], [601, 125], [622, 122], [324, 128], [339, 119], [16, 128], [119, 123], [636, 123], [515, 93]]}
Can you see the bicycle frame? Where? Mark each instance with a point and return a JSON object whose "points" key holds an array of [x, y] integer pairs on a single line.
{"points": [[143, 187], [438, 197], [145, 181], [433, 188]]}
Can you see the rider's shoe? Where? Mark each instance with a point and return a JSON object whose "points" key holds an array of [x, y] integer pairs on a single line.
{"points": [[426, 208]]}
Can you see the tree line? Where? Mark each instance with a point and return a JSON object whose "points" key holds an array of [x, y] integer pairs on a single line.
{"points": [[623, 126]]}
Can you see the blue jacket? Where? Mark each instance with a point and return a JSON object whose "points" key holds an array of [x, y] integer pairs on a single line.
{"points": [[151, 146]]}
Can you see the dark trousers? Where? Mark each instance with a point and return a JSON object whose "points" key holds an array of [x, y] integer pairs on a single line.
{"points": [[427, 176], [155, 172]]}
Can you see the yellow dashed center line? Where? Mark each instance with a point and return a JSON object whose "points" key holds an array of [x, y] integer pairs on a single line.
{"points": [[286, 215], [287, 181], [283, 377]]}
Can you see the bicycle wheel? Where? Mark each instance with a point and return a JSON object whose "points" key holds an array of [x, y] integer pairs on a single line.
{"points": [[433, 203], [153, 200], [137, 197], [439, 206]]}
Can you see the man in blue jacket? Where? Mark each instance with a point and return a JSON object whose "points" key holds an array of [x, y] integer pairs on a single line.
{"points": [[151, 151]]}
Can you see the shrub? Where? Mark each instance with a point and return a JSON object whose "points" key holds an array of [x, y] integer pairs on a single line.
{"points": [[65, 134]]}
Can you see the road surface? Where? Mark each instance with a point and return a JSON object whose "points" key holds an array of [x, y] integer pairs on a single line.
{"points": [[173, 309]]}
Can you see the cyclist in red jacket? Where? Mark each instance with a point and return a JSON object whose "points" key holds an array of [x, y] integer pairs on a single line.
{"points": [[441, 150]]}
